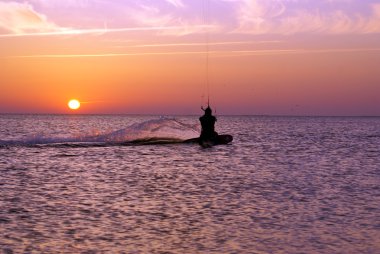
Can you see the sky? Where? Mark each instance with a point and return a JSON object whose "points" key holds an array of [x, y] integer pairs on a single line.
{"points": [[250, 57]]}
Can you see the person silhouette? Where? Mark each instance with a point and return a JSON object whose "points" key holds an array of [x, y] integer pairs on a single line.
{"points": [[208, 133]]}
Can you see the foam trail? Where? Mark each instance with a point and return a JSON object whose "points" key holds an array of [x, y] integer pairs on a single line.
{"points": [[165, 129]]}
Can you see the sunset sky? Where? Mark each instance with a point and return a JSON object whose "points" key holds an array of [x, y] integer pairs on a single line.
{"points": [[277, 57]]}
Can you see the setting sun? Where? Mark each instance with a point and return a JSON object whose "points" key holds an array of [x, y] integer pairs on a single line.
{"points": [[74, 104]]}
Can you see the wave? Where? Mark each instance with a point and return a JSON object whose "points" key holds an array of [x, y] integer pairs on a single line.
{"points": [[156, 131]]}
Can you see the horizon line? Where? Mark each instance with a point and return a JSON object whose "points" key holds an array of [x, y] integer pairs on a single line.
{"points": [[169, 115]]}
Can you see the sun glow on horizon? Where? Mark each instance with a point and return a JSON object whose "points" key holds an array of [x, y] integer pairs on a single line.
{"points": [[74, 104]]}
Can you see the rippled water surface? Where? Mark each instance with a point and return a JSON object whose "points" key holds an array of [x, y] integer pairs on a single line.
{"points": [[284, 185]]}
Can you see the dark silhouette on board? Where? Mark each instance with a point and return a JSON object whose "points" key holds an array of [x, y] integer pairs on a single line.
{"points": [[208, 133], [209, 137]]}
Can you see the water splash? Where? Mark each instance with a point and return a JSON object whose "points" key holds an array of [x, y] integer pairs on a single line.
{"points": [[164, 129]]}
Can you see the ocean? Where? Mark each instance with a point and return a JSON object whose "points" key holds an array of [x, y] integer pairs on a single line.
{"points": [[79, 184]]}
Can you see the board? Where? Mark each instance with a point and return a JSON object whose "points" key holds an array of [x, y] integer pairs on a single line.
{"points": [[220, 140]]}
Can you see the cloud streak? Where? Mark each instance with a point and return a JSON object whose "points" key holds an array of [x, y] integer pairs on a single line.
{"points": [[230, 53], [176, 3], [181, 18], [98, 31], [292, 17], [19, 18], [148, 15], [223, 43]]}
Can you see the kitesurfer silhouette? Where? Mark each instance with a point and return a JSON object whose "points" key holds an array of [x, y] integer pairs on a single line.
{"points": [[208, 133]]}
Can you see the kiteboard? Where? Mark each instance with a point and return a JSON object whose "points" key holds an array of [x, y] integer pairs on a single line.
{"points": [[219, 140]]}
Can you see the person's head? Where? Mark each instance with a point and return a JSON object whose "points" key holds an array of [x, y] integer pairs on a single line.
{"points": [[208, 111]]}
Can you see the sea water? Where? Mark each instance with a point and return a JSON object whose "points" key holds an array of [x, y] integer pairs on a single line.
{"points": [[75, 184]]}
